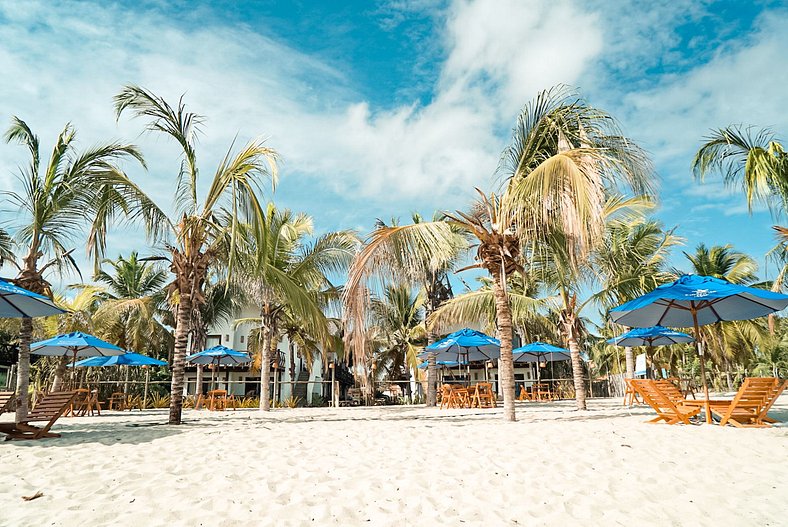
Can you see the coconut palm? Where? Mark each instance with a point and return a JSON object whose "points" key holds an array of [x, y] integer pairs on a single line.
{"points": [[630, 262], [56, 203], [202, 232], [399, 317], [723, 261], [132, 306], [563, 158], [397, 254], [748, 157], [281, 272]]}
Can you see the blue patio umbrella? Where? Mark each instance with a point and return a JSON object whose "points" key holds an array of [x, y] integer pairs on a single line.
{"points": [[17, 302], [465, 345], [425, 364], [653, 336], [650, 337], [219, 355], [537, 352], [127, 359], [695, 301], [76, 344]]}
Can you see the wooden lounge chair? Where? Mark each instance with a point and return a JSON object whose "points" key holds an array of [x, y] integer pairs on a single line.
{"points": [[48, 409], [631, 397], [524, 394], [5, 401], [752, 402], [667, 410], [671, 390]]}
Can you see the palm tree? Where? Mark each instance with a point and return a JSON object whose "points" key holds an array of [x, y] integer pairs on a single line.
{"points": [[723, 261], [399, 318], [132, 304], [397, 254], [563, 157], [202, 232], [630, 262], [281, 273], [79, 316], [748, 157], [56, 202]]}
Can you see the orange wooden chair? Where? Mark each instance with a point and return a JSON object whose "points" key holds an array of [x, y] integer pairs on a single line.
{"points": [[446, 399], [483, 396], [5, 401], [750, 406], [667, 410], [525, 395]]}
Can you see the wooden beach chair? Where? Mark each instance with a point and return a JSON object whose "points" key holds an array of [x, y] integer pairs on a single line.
{"points": [[48, 409], [5, 401], [667, 410], [671, 390], [446, 398], [525, 395], [483, 396], [118, 401], [631, 396], [752, 402]]}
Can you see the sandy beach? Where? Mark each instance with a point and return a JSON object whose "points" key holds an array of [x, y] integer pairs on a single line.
{"points": [[397, 466]]}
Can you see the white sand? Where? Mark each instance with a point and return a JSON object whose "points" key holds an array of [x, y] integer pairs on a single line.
{"points": [[397, 466]]}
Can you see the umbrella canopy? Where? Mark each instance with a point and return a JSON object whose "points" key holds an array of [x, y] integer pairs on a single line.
{"points": [[653, 336], [697, 300], [540, 351], [423, 365], [127, 359], [16, 302], [75, 344], [465, 345], [219, 355]]}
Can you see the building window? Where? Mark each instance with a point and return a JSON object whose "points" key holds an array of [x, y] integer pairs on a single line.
{"points": [[242, 339], [227, 338]]}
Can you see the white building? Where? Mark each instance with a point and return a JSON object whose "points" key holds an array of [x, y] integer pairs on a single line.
{"points": [[311, 382]]}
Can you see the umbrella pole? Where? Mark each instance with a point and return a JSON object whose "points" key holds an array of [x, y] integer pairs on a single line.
{"points": [[702, 365], [74, 370], [145, 392]]}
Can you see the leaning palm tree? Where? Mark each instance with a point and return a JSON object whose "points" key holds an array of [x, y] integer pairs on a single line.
{"points": [[563, 158], [200, 230], [55, 204]]}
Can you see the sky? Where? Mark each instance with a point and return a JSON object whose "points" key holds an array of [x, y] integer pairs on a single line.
{"points": [[383, 108]]}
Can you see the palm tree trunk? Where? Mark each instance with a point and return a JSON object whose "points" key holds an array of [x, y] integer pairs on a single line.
{"points": [[432, 372], [504, 317], [23, 369], [179, 356], [291, 347], [265, 370], [577, 371], [60, 374], [630, 358]]}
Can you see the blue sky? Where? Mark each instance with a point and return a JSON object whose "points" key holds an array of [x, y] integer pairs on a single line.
{"points": [[384, 108]]}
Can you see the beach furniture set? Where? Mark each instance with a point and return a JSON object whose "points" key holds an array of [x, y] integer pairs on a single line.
{"points": [[540, 391], [748, 408], [216, 401], [480, 395]]}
